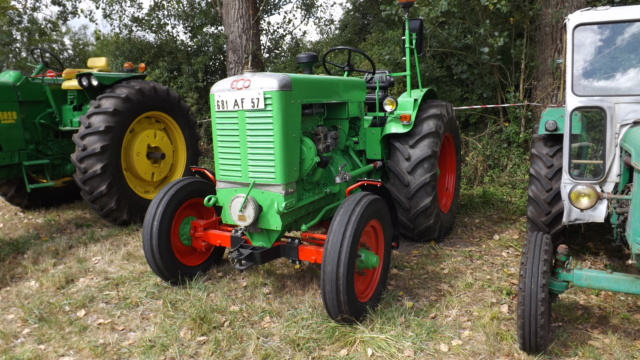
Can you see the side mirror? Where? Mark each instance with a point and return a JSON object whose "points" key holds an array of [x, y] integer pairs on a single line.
{"points": [[416, 26]]}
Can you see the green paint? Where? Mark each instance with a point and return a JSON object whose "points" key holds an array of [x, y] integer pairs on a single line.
{"points": [[184, 230], [367, 260], [552, 114], [630, 143], [557, 286], [244, 201], [210, 201], [37, 121], [307, 226], [289, 153], [601, 280]]}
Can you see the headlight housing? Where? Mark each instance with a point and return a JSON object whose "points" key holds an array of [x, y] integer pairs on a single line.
{"points": [[583, 196], [94, 81], [84, 82], [390, 104], [244, 210]]}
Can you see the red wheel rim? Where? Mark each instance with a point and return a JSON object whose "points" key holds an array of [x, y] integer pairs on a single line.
{"points": [[447, 173], [186, 254], [366, 281]]}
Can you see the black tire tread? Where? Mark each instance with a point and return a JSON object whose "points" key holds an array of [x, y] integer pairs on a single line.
{"points": [[545, 208], [413, 173], [98, 169], [534, 298], [156, 230], [336, 281]]}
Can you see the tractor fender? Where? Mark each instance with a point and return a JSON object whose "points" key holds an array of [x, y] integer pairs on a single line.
{"points": [[382, 191], [551, 121], [630, 142], [109, 78], [203, 173], [408, 103]]}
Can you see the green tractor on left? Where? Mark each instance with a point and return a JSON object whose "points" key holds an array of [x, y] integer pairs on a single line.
{"points": [[112, 137]]}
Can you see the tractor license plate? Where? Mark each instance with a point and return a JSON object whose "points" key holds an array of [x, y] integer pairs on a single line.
{"points": [[245, 100]]}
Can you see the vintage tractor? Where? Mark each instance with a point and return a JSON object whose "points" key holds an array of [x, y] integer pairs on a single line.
{"points": [[585, 160], [322, 169], [120, 137]]}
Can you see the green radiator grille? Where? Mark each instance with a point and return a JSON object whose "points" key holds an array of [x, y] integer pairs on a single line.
{"points": [[245, 153]]}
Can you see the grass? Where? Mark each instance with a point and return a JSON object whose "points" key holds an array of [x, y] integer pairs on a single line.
{"points": [[75, 287]]}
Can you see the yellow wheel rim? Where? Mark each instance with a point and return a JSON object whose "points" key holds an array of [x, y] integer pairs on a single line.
{"points": [[154, 153]]}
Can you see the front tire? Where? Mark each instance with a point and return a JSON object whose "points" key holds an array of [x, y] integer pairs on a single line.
{"points": [[360, 227], [534, 298], [136, 138], [165, 232], [424, 173]]}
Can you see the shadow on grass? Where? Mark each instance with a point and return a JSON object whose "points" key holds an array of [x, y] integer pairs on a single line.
{"points": [[584, 330], [39, 235]]}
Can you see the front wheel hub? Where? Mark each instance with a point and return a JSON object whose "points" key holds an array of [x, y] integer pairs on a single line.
{"points": [[367, 260]]}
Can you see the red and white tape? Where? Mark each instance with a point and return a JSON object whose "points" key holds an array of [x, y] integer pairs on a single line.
{"points": [[493, 106]]}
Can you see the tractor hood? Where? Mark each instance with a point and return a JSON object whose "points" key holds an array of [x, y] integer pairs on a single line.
{"points": [[8, 82], [311, 88]]}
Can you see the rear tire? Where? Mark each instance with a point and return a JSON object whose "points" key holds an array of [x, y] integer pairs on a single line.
{"points": [[136, 138], [424, 173], [165, 231], [534, 298], [15, 193], [545, 208], [361, 222]]}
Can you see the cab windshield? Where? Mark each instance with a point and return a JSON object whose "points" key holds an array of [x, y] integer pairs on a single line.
{"points": [[606, 59]]}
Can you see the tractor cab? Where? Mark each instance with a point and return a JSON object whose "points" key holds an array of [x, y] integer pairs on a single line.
{"points": [[585, 167], [602, 108]]}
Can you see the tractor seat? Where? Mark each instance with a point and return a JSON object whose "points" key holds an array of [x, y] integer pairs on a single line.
{"points": [[95, 64], [383, 82]]}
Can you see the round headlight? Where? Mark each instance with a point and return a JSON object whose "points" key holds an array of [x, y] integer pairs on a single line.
{"points": [[244, 215], [389, 104], [583, 196], [84, 81], [94, 81]]}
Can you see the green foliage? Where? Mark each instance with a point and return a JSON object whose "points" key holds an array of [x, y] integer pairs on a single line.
{"points": [[180, 41], [28, 24], [286, 27], [474, 54], [495, 170], [477, 52]]}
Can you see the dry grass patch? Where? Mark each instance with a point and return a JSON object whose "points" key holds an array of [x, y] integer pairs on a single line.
{"points": [[75, 287]]}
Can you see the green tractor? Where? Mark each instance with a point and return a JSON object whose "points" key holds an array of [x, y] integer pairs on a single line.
{"points": [[332, 170], [120, 138], [585, 159]]}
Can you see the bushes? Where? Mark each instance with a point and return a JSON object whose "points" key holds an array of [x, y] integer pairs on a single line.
{"points": [[495, 169]]}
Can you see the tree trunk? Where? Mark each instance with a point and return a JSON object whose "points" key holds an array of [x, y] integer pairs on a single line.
{"points": [[550, 39], [241, 22]]}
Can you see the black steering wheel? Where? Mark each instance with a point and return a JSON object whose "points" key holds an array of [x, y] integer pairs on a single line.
{"points": [[348, 67], [46, 57]]}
